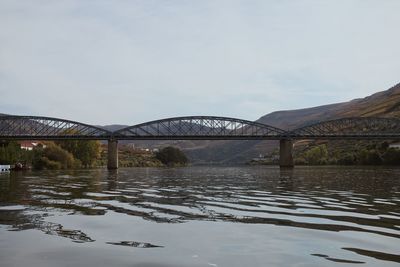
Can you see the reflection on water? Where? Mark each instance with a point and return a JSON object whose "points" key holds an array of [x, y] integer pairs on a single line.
{"points": [[91, 206], [134, 244]]}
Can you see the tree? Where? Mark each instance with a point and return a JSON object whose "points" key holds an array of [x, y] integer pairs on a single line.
{"points": [[86, 151], [53, 157], [317, 155], [10, 153], [172, 156]]}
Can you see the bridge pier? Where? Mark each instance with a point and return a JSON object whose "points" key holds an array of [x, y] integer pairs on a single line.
{"points": [[286, 153], [112, 162]]}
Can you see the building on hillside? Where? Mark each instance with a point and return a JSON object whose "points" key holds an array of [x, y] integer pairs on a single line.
{"points": [[30, 145], [395, 145]]}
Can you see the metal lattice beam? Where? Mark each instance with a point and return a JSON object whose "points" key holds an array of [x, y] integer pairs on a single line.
{"points": [[350, 128], [38, 128], [199, 127]]}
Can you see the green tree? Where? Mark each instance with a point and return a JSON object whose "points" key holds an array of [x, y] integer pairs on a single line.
{"points": [[86, 151], [10, 153], [53, 157], [317, 155]]}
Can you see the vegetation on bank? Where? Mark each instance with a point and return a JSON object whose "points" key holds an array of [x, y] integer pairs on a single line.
{"points": [[132, 157], [76, 154], [52, 155], [347, 153], [337, 152], [11, 153]]}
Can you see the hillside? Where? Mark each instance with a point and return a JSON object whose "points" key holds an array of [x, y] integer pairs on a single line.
{"points": [[382, 104]]}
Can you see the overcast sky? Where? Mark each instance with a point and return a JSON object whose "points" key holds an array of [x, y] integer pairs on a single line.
{"points": [[106, 62]]}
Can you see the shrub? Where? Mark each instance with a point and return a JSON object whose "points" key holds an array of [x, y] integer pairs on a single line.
{"points": [[86, 151], [53, 157], [317, 155]]}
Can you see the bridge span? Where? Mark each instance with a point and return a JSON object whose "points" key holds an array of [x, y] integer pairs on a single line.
{"points": [[197, 128]]}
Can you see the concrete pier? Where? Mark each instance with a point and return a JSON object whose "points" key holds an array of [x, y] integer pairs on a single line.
{"points": [[112, 163], [286, 153]]}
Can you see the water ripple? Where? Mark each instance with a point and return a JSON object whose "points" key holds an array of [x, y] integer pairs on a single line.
{"points": [[316, 201]]}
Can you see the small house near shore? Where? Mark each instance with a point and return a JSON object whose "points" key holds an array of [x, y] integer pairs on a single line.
{"points": [[30, 145]]}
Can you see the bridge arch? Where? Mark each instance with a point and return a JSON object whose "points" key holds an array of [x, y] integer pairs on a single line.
{"points": [[199, 127], [40, 128], [350, 128]]}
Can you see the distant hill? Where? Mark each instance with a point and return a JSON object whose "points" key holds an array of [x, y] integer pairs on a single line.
{"points": [[382, 104]]}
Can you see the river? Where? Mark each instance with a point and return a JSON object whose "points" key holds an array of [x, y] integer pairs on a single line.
{"points": [[201, 216]]}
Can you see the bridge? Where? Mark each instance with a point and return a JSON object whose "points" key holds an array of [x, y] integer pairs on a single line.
{"points": [[197, 128]]}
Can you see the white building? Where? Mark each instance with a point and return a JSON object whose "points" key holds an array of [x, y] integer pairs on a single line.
{"points": [[30, 145], [395, 145], [5, 168]]}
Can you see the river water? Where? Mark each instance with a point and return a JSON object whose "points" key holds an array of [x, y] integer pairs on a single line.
{"points": [[201, 216]]}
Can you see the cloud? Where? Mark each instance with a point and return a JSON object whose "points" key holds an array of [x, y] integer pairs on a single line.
{"points": [[131, 61]]}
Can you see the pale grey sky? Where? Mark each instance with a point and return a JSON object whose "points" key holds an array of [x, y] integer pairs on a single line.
{"points": [[128, 62]]}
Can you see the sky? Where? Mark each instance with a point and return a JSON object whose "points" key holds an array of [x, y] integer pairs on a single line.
{"points": [[126, 62]]}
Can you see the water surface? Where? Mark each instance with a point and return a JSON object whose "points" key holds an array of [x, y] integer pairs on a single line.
{"points": [[201, 216]]}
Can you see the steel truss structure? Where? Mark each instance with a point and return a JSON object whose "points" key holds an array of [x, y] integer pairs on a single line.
{"points": [[199, 127], [196, 128], [45, 128], [350, 128]]}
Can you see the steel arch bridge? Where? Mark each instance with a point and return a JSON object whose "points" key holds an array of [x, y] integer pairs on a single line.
{"points": [[196, 128], [199, 128]]}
